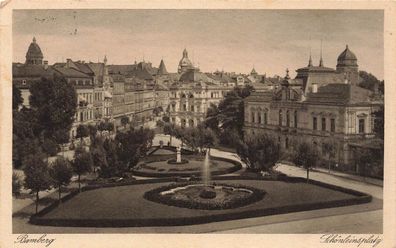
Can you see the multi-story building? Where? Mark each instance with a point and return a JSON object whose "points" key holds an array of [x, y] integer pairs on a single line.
{"points": [[321, 105], [191, 96]]}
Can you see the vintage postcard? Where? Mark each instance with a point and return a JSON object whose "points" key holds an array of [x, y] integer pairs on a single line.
{"points": [[197, 124]]}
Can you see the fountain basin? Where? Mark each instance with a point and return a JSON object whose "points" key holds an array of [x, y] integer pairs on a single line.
{"points": [[208, 197]]}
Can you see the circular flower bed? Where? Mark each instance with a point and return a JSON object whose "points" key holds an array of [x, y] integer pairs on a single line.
{"points": [[199, 196], [174, 161]]}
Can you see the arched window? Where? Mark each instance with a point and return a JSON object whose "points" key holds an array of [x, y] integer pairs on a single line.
{"points": [[280, 117], [253, 115], [265, 118], [295, 119], [287, 118]]}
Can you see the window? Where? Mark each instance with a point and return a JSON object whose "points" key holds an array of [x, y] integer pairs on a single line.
{"points": [[295, 119], [192, 108], [173, 107], [323, 124], [23, 82], [332, 125], [259, 118], [173, 120], [81, 116], [287, 118], [253, 115], [184, 107], [280, 117], [287, 142], [265, 118], [361, 125], [315, 123]]}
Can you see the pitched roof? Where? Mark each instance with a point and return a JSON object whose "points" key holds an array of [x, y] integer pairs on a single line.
{"points": [[71, 72], [162, 69], [340, 94], [121, 69], [29, 70]]}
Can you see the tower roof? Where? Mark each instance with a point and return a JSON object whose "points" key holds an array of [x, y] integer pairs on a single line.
{"points": [[253, 72], [162, 69], [347, 55], [34, 50]]}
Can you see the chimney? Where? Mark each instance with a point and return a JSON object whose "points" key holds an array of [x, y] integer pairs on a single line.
{"points": [[68, 63], [45, 64], [314, 88]]}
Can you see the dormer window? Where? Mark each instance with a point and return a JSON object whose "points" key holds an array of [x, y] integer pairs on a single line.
{"points": [[23, 82]]}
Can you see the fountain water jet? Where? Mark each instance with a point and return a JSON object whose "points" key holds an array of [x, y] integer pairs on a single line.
{"points": [[206, 170]]}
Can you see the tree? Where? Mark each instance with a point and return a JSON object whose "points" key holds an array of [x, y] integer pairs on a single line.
{"points": [[211, 120], [54, 102], [37, 176], [16, 184], [306, 156], [61, 173], [209, 138], [369, 81], [82, 163], [259, 152], [92, 130], [329, 148], [132, 145], [98, 153], [124, 121], [230, 112], [169, 129], [82, 131], [50, 147], [379, 122], [17, 99]]}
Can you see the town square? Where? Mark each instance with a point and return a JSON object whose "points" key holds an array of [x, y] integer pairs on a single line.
{"points": [[197, 121]]}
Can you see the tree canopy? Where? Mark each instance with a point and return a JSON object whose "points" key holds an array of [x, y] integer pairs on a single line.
{"points": [[17, 99], [230, 114], [259, 152], [54, 103]]}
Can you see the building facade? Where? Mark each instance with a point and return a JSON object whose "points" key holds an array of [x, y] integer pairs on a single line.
{"points": [[319, 106]]}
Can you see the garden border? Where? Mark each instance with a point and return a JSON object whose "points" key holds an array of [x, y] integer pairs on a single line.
{"points": [[237, 166], [38, 220]]}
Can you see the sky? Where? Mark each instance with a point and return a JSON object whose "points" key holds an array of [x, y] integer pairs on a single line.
{"points": [[229, 40]]}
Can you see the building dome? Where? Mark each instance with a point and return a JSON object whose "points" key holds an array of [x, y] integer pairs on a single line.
{"points": [[346, 55], [185, 62], [34, 54]]}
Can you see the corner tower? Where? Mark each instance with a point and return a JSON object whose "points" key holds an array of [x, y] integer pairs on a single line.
{"points": [[347, 64]]}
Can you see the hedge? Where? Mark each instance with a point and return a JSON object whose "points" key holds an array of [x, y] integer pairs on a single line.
{"points": [[155, 196], [38, 218]]}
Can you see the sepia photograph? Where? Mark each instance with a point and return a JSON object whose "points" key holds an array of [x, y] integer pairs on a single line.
{"points": [[198, 121]]}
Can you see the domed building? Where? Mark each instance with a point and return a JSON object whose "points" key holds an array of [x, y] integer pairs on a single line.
{"points": [[320, 106], [347, 65], [34, 56], [185, 63]]}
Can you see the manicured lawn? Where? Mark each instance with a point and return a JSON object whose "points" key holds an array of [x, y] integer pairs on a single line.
{"points": [[127, 202]]}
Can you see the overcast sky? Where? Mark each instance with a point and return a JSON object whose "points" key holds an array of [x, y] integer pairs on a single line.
{"points": [[233, 40]]}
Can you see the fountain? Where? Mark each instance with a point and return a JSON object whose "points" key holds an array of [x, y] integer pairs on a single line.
{"points": [[206, 170], [178, 155], [204, 194]]}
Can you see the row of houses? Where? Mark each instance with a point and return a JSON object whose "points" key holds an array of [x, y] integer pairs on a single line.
{"points": [[138, 91]]}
